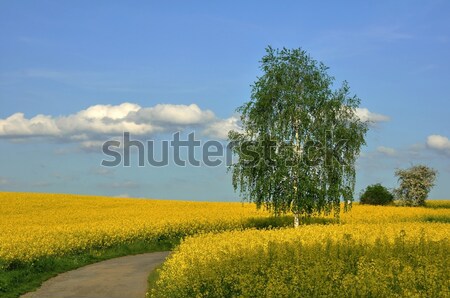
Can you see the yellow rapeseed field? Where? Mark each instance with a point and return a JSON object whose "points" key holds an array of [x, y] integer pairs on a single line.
{"points": [[35, 225], [392, 214], [373, 251], [404, 259]]}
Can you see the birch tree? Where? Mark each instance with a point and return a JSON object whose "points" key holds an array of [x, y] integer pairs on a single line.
{"points": [[300, 138]]}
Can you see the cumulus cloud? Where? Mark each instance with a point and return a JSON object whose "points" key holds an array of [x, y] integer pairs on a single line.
{"points": [[367, 116], [220, 128], [104, 120], [17, 125], [172, 114], [100, 122], [93, 124], [387, 151], [439, 143]]}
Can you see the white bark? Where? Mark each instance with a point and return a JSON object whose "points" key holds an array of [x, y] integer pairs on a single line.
{"points": [[297, 151], [296, 220]]}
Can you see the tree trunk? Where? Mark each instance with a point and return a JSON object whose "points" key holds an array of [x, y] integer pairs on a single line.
{"points": [[296, 220], [296, 190]]}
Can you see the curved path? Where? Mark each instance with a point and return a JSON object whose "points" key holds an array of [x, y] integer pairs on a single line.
{"points": [[124, 277]]}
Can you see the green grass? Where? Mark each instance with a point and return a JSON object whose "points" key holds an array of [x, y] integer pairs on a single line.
{"points": [[437, 218], [19, 278], [153, 277]]}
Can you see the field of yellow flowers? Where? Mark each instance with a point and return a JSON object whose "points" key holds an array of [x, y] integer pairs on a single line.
{"points": [[373, 251], [38, 225], [359, 260]]}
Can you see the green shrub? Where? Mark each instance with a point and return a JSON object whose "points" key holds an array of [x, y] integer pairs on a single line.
{"points": [[376, 194]]}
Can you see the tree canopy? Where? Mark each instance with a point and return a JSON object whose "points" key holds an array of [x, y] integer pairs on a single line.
{"points": [[415, 184], [300, 137]]}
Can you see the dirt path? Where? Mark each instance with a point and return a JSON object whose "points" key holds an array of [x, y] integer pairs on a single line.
{"points": [[124, 277]]}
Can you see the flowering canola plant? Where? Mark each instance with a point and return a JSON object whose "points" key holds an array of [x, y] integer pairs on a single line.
{"points": [[348, 260], [40, 225], [378, 251]]}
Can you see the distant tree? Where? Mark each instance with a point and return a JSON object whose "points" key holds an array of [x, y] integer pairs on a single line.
{"points": [[415, 184], [300, 138], [376, 194]]}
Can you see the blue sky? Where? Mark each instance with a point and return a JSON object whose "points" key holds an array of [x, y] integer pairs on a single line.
{"points": [[65, 66]]}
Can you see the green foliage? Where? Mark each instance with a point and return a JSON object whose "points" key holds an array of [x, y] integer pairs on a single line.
{"points": [[376, 194], [300, 138], [415, 184]]}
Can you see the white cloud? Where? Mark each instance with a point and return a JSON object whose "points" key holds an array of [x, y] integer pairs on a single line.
{"points": [[387, 151], [91, 145], [220, 128], [367, 116], [173, 114], [93, 124], [109, 111], [17, 125], [439, 143], [100, 122], [104, 120]]}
